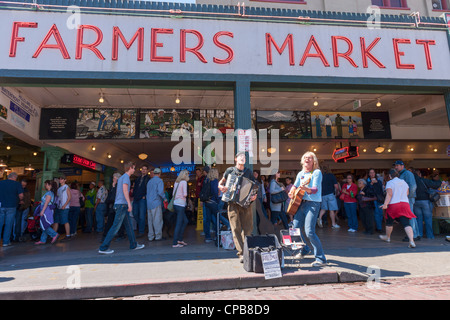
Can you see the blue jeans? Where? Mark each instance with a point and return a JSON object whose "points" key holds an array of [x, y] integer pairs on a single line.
{"points": [[279, 215], [7, 216], [20, 223], [100, 216], [140, 214], [413, 221], [305, 219], [49, 232], [88, 214], [74, 213], [181, 224], [378, 215], [209, 216], [350, 211], [424, 213], [122, 216]]}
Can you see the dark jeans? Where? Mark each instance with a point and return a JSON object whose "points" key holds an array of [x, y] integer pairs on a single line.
{"points": [[74, 214], [279, 215], [111, 213], [180, 224], [367, 218], [210, 214], [122, 216], [140, 214]]}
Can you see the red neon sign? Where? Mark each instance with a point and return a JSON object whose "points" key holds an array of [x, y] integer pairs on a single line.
{"points": [[84, 162], [343, 154]]}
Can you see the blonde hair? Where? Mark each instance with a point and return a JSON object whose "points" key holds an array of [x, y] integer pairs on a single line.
{"points": [[183, 175], [316, 161], [213, 174]]}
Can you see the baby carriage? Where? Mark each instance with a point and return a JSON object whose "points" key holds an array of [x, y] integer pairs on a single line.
{"points": [[33, 223]]}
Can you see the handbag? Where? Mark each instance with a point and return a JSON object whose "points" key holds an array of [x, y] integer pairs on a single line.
{"points": [[279, 197], [170, 205], [433, 195]]}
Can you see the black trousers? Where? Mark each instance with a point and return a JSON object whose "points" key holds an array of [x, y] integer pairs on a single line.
{"points": [[367, 217]]}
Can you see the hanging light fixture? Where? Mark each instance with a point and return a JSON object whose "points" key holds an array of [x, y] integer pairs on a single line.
{"points": [[143, 156], [2, 164], [316, 103], [272, 150], [29, 168], [101, 99], [379, 149], [378, 103]]}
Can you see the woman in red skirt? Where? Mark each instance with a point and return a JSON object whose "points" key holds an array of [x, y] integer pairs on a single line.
{"points": [[397, 207]]}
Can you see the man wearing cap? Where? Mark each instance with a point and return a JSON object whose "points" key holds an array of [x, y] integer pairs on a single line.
{"points": [[241, 219], [408, 177], [89, 206], [155, 199]]}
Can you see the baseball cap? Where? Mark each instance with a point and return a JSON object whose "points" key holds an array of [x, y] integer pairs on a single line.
{"points": [[157, 170], [400, 162], [92, 182]]}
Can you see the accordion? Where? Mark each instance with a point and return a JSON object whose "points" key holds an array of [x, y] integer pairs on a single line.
{"points": [[239, 190]]}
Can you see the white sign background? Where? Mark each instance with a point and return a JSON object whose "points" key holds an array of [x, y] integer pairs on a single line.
{"points": [[248, 43]]}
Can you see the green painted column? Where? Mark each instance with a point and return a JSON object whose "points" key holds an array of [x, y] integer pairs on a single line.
{"points": [[52, 160], [447, 104], [242, 111]]}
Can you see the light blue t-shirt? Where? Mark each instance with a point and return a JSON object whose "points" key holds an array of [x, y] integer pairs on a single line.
{"points": [[120, 197], [316, 182]]}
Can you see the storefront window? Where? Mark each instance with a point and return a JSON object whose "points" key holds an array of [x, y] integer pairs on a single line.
{"points": [[390, 3]]}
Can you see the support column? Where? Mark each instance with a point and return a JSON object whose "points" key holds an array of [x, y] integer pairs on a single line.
{"points": [[51, 167], [447, 104], [108, 176], [242, 112]]}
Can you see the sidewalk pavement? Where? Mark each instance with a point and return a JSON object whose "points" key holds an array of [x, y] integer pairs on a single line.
{"points": [[75, 269]]}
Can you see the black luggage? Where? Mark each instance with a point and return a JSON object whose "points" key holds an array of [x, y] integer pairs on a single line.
{"points": [[254, 246]]}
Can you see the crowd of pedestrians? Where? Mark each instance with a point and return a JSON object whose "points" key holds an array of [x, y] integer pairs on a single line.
{"points": [[136, 208]]}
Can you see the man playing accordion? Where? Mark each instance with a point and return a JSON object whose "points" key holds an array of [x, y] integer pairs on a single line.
{"points": [[241, 218]]}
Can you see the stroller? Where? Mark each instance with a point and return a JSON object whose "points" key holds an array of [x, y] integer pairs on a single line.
{"points": [[33, 223]]}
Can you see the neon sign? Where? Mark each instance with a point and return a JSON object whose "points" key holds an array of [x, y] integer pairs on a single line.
{"points": [[84, 162], [343, 154]]}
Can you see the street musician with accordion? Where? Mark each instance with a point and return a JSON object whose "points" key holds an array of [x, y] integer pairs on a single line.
{"points": [[306, 198], [239, 190]]}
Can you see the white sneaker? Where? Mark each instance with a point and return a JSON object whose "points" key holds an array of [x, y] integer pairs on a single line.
{"points": [[319, 223], [318, 264], [351, 230], [336, 226], [412, 245], [139, 246], [384, 238], [109, 251]]}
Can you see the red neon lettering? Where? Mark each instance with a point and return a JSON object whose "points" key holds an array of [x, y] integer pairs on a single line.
{"points": [[59, 43], [84, 162], [223, 46], [155, 45], [194, 50], [399, 54], [345, 55], [15, 38], [288, 41], [319, 54], [80, 45], [426, 45], [115, 45], [365, 52]]}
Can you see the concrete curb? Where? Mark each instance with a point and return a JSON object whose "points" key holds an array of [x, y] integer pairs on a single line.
{"points": [[251, 280]]}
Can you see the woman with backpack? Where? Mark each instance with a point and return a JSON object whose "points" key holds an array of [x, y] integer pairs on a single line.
{"points": [[46, 210]]}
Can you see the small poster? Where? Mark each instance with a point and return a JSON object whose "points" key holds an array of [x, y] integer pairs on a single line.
{"points": [[95, 123], [376, 125], [58, 123], [292, 124], [333, 125], [271, 265], [245, 141]]}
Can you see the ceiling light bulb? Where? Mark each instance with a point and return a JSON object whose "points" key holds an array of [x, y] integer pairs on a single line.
{"points": [[35, 154], [177, 100], [435, 150], [8, 148], [412, 149], [109, 156], [379, 149], [364, 150], [101, 100], [93, 148], [289, 150], [389, 150], [379, 103], [316, 103], [143, 156]]}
